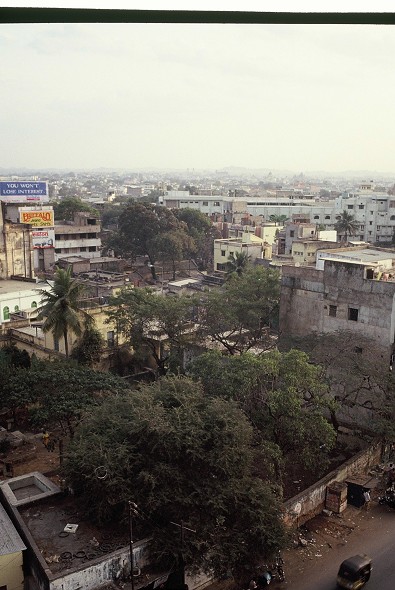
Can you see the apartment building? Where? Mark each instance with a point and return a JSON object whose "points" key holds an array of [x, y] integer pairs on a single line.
{"points": [[80, 237]]}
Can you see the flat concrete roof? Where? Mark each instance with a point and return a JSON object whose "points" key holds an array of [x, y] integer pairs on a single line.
{"points": [[364, 255], [12, 286]]}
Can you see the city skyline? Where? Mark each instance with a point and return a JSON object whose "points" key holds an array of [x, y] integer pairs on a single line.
{"points": [[205, 96]]}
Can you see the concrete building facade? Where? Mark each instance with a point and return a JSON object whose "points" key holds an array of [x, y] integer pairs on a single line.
{"points": [[350, 289], [249, 243], [78, 238]]}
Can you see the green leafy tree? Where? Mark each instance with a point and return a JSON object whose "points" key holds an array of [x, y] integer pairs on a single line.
{"points": [[90, 347], [172, 246], [203, 233], [278, 219], [61, 306], [68, 206], [61, 392], [240, 314], [140, 227], [346, 225], [184, 457], [285, 398], [157, 327]]}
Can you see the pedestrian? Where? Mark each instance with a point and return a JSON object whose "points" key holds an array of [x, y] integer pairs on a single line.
{"points": [[367, 498], [45, 438]]}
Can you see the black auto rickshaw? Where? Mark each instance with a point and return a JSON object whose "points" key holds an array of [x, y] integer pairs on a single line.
{"points": [[354, 572]]}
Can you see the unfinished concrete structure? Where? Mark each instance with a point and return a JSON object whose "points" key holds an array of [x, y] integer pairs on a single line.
{"points": [[350, 289]]}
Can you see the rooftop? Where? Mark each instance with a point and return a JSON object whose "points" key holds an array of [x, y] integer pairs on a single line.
{"points": [[10, 541], [364, 255], [13, 286]]}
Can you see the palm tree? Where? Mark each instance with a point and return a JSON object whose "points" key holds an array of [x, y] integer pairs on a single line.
{"points": [[346, 225], [237, 263], [60, 307]]}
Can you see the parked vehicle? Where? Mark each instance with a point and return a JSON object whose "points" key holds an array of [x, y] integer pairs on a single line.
{"points": [[354, 572], [388, 498], [272, 573]]}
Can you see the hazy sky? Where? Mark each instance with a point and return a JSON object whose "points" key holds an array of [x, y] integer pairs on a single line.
{"points": [[298, 97]]}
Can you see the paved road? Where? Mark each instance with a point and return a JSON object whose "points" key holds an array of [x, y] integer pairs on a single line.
{"points": [[372, 533]]}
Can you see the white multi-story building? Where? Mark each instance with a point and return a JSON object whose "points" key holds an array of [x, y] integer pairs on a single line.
{"points": [[373, 211], [78, 238]]}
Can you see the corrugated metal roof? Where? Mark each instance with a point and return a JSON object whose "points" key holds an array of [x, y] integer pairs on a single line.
{"points": [[10, 541]]}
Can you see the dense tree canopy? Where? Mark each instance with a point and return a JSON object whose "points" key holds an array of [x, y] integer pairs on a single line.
{"points": [[142, 228], [203, 233], [68, 206], [88, 350], [155, 325], [239, 315], [180, 456], [282, 394], [55, 393]]}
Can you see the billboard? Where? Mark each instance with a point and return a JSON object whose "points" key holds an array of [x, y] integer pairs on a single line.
{"points": [[43, 238], [42, 218], [27, 191]]}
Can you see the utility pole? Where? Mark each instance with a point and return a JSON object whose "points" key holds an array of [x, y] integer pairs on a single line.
{"points": [[182, 528], [132, 510]]}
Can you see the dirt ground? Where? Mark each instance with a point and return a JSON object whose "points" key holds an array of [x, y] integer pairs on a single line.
{"points": [[32, 455]]}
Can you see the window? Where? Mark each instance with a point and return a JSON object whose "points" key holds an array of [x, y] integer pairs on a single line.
{"points": [[362, 238], [333, 310], [223, 253], [6, 313], [292, 233], [370, 222], [58, 250], [316, 216], [361, 206], [92, 248], [379, 227], [371, 213], [350, 206], [110, 339], [353, 314], [16, 308], [34, 304], [231, 253], [392, 217], [216, 203], [205, 203], [327, 216], [56, 344], [392, 204]]}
